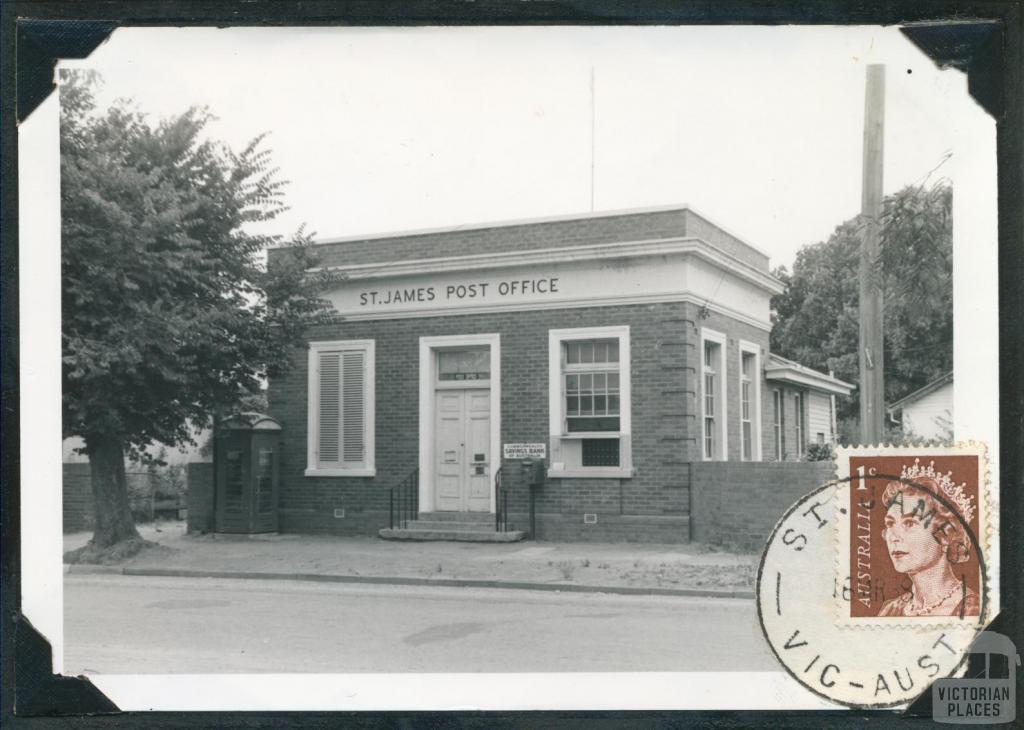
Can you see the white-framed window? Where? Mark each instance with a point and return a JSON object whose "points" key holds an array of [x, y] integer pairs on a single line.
{"points": [[341, 409], [714, 434], [750, 401], [589, 402], [801, 427], [778, 420]]}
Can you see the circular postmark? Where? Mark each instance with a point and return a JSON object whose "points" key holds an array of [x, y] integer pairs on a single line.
{"points": [[806, 584]]}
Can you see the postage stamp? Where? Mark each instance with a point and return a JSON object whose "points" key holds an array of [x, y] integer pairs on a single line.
{"points": [[911, 535], [894, 658]]}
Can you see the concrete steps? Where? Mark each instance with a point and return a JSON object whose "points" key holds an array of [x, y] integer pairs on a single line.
{"points": [[451, 526]]}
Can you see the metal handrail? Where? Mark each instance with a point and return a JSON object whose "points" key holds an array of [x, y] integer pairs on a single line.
{"points": [[404, 501], [500, 504]]}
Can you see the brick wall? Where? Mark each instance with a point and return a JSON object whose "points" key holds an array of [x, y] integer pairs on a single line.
{"points": [[79, 508], [533, 236], [734, 331], [199, 496], [736, 504], [662, 377]]}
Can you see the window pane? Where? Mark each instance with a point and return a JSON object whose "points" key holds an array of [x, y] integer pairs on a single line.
{"points": [[233, 484], [613, 405], [599, 382], [586, 405], [600, 452], [593, 423], [586, 382], [586, 352], [748, 365], [468, 364], [572, 406], [600, 405], [613, 382], [572, 383]]}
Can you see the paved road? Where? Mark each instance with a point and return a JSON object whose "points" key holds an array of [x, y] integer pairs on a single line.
{"points": [[129, 624]]}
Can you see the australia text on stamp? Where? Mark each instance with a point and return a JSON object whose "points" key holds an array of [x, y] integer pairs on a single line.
{"points": [[911, 535]]}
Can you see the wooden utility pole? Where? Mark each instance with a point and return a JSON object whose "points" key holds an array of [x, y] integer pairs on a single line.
{"points": [[872, 383]]}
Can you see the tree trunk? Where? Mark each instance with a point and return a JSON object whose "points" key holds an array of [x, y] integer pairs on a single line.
{"points": [[114, 521]]}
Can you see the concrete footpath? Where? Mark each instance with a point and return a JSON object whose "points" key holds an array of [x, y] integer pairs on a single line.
{"points": [[629, 568]]}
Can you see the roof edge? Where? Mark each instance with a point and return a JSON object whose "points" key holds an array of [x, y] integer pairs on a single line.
{"points": [[559, 218], [793, 372], [921, 392]]}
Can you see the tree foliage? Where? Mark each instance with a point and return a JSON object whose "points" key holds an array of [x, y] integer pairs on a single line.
{"points": [[168, 311], [815, 320]]}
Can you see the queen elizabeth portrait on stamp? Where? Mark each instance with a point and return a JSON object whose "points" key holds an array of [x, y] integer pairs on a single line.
{"points": [[925, 540]]}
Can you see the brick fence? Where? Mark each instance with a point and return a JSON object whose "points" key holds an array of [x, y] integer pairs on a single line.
{"points": [[736, 504], [79, 512]]}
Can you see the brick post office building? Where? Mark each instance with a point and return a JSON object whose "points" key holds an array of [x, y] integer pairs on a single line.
{"points": [[617, 348]]}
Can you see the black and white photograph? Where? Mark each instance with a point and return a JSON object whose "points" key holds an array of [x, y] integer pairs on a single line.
{"points": [[427, 368]]}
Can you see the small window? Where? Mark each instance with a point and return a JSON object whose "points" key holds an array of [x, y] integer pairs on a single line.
{"points": [[746, 406], [821, 438], [233, 482], [467, 364], [589, 401], [341, 409], [600, 452], [801, 429], [265, 481], [712, 396], [777, 422], [592, 393], [710, 389]]}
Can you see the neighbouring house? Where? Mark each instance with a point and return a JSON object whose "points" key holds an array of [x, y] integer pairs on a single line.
{"points": [[621, 350], [803, 406], [927, 413]]}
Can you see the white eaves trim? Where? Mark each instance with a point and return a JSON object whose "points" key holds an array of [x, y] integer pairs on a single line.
{"points": [[660, 247], [799, 375]]}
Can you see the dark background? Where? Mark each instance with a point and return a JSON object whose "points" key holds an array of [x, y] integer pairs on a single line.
{"points": [[982, 38]]}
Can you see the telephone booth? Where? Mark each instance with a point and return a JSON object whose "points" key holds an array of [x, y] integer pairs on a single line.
{"points": [[246, 457]]}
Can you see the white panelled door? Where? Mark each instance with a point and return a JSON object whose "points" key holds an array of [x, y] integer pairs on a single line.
{"points": [[462, 456]]}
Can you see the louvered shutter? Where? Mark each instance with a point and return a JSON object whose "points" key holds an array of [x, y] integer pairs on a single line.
{"points": [[353, 420], [329, 416]]}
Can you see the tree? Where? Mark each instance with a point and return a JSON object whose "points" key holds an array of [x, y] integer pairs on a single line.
{"points": [[168, 313], [815, 320]]}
